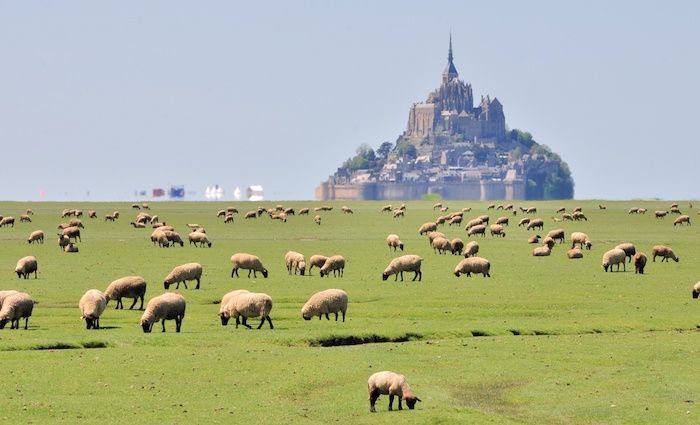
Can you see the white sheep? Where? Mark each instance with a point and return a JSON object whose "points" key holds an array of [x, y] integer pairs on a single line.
{"points": [[295, 261], [640, 261], [582, 239], [248, 262], [696, 290], [392, 384], [334, 263], [629, 249], [394, 242], [473, 265], [457, 246], [612, 257], [405, 263], [534, 239], [317, 219], [427, 227], [72, 232], [168, 306], [200, 238], [36, 236], [14, 308], [441, 245], [92, 304], [535, 223], [471, 249], [316, 261], [434, 235], [457, 219], [26, 266], [682, 219], [223, 310], [126, 287], [248, 305], [183, 273], [664, 252], [71, 247], [477, 230], [574, 253], [473, 222], [5, 294], [325, 303], [557, 235], [502, 221], [497, 230], [524, 222], [542, 251]]}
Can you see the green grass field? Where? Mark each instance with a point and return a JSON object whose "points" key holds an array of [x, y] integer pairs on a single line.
{"points": [[543, 341]]}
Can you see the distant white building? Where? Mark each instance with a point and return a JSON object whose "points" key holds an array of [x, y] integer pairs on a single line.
{"points": [[255, 193]]}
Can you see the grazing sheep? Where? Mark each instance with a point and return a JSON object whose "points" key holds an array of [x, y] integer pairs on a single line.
{"points": [[633, 211], [231, 210], [524, 222], [682, 219], [675, 210], [200, 238], [36, 236], [471, 249], [26, 266], [567, 217], [629, 249], [393, 384], [30, 212], [484, 219], [602, 207], [405, 263], [7, 221], [346, 210], [477, 230], [536, 223], [466, 209], [25, 218], [14, 308], [578, 209], [398, 213], [578, 216], [502, 221], [126, 287], [223, 310], [136, 206], [433, 235], [497, 230], [248, 262], [295, 261], [473, 222], [660, 214], [490, 207], [642, 211], [334, 263], [290, 211], [640, 260], [5, 294], [228, 219], [317, 219], [72, 232], [581, 239], [325, 303], [281, 217], [183, 273], [574, 253], [92, 304], [304, 211], [457, 246], [250, 304], [437, 206], [220, 213], [427, 227], [386, 208], [174, 238], [316, 261], [560, 210], [92, 214], [457, 219], [530, 210], [444, 209], [664, 252], [441, 245], [542, 251], [473, 265], [71, 247], [549, 242], [63, 241], [441, 220], [696, 290], [612, 257], [138, 225], [251, 214], [394, 242], [557, 235], [169, 306], [110, 217], [534, 239]]}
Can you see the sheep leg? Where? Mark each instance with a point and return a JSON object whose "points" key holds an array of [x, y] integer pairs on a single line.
{"points": [[401, 273], [373, 396], [141, 308], [134, 303], [624, 266], [336, 316], [163, 322], [234, 271], [391, 401], [96, 325], [119, 303], [184, 282], [249, 270], [418, 273], [244, 322], [327, 318], [269, 321], [197, 287], [178, 323], [14, 324], [343, 316], [400, 407]]}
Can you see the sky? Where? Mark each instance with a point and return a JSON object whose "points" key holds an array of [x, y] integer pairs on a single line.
{"points": [[101, 99]]}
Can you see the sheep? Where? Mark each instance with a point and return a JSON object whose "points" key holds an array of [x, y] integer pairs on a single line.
{"points": [[664, 252], [290, 211], [403, 207], [534, 239], [136, 206], [228, 219], [393, 241], [281, 217], [248, 262], [557, 235], [696, 290], [457, 219], [675, 210], [434, 235], [444, 209], [471, 249], [5, 294], [63, 241], [578, 209], [633, 210], [126, 287], [542, 251], [642, 211], [437, 206], [386, 208], [36, 236], [490, 207], [560, 210], [183, 273], [304, 211], [249, 304], [138, 225], [531, 210], [223, 310], [71, 247], [549, 242], [92, 214], [25, 218], [231, 210], [484, 219], [640, 260], [602, 207], [473, 265], [574, 253], [629, 250], [316, 261], [92, 304], [324, 303], [524, 222], [334, 263], [220, 213], [72, 232], [317, 219], [660, 214], [497, 230], [158, 236], [30, 212], [427, 227], [168, 306], [578, 216], [612, 257], [200, 238], [466, 209], [26, 266], [457, 246], [346, 210], [200, 230], [441, 245], [405, 263], [581, 239], [477, 230], [174, 238], [393, 384], [502, 221], [295, 261], [7, 221], [398, 213], [441, 220], [682, 219], [250, 214], [473, 222], [110, 217], [567, 217], [14, 308], [535, 223]]}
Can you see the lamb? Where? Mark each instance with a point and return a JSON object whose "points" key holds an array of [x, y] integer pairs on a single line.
{"points": [[295, 261], [471, 249], [316, 261], [581, 239], [394, 242], [427, 227], [393, 384], [92, 304], [524, 222], [477, 230], [534, 239], [405, 263], [557, 235], [169, 306], [441, 245], [14, 308], [664, 252], [335, 263], [183, 273], [640, 260], [250, 304], [247, 262], [612, 257], [502, 221], [223, 311], [36, 236], [574, 253], [7, 221], [457, 246], [200, 238], [542, 251], [473, 265], [26, 266], [497, 230], [696, 290], [71, 247], [126, 287], [324, 303], [317, 219], [629, 250], [682, 219], [535, 223]]}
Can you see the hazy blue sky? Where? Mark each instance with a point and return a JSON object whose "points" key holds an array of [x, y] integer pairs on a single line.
{"points": [[109, 97]]}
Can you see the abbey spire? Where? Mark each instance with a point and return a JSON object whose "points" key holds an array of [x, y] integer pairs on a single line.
{"points": [[450, 70]]}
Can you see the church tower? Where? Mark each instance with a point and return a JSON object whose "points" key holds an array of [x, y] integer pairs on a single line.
{"points": [[450, 72]]}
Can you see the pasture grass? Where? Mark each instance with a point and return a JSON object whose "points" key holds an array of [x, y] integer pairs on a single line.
{"points": [[543, 341]]}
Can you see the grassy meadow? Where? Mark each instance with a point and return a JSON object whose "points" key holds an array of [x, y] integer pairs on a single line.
{"points": [[543, 341]]}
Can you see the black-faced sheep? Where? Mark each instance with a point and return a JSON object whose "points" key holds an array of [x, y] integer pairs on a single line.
{"points": [[26, 266], [335, 263], [316, 261], [557, 235], [36, 236], [471, 249], [497, 230], [427, 227], [224, 309], [477, 230], [295, 261], [14, 308], [664, 252], [612, 257], [640, 260], [535, 223], [394, 242], [126, 287], [473, 265], [696, 290], [324, 303], [248, 262], [394, 385], [441, 245], [405, 263], [581, 239], [457, 246], [183, 273], [681, 220], [200, 238], [574, 253], [629, 249], [169, 306], [92, 304], [251, 304]]}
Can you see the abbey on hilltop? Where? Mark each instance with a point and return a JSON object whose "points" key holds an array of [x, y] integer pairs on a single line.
{"points": [[453, 149]]}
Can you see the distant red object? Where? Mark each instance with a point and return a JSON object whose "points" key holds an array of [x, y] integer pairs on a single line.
{"points": [[158, 192]]}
